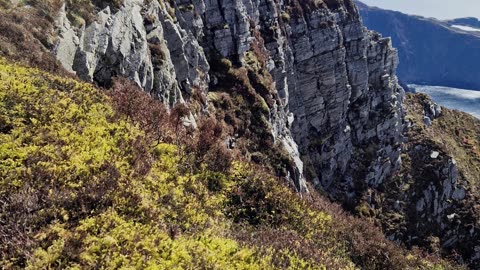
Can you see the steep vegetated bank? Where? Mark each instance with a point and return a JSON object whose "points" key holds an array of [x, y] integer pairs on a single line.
{"points": [[255, 99], [433, 200], [89, 182]]}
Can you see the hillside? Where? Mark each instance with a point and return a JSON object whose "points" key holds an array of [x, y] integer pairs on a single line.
{"points": [[431, 52], [433, 200], [86, 186], [222, 135]]}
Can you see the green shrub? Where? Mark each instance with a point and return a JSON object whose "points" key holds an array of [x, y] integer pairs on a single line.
{"points": [[285, 16], [110, 241]]}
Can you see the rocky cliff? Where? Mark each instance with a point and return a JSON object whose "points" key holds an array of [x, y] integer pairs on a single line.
{"points": [[433, 200], [333, 82]]}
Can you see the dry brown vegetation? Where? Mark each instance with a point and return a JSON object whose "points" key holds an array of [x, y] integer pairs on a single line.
{"points": [[25, 35]]}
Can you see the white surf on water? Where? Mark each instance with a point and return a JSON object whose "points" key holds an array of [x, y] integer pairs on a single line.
{"points": [[453, 98], [465, 28]]}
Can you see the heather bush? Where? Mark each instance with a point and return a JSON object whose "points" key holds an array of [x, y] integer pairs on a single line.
{"points": [[130, 101], [210, 150]]}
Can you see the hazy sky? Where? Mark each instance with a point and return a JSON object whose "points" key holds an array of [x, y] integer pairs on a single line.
{"points": [[441, 9]]}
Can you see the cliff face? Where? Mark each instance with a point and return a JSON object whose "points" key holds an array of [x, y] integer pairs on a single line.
{"points": [[334, 83], [345, 97]]}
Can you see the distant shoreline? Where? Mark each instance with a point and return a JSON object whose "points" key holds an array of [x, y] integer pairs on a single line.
{"points": [[453, 98]]}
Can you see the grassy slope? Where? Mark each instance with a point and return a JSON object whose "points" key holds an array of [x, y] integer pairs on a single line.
{"points": [[84, 187]]}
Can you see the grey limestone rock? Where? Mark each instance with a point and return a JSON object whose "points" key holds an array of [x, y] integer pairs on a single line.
{"points": [[140, 41], [346, 98], [68, 41], [337, 100]]}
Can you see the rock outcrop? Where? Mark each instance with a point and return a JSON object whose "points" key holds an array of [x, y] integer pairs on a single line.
{"points": [[346, 99], [431, 201], [139, 41]]}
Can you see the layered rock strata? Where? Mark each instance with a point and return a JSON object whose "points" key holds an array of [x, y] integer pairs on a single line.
{"points": [[335, 82], [347, 101]]}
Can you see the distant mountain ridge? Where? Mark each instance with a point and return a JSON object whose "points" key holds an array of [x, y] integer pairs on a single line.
{"points": [[430, 50]]}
